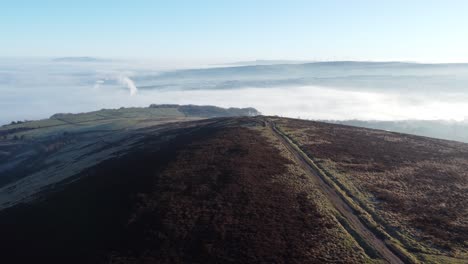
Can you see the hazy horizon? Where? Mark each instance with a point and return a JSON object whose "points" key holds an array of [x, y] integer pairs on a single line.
{"points": [[245, 131], [37, 89], [122, 54]]}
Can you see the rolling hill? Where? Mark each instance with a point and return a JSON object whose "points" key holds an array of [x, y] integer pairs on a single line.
{"points": [[188, 184], [391, 76]]}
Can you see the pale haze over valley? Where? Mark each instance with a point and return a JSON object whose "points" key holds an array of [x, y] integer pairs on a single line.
{"points": [[359, 68], [334, 90], [246, 131]]}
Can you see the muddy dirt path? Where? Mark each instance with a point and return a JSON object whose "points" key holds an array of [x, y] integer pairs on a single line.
{"points": [[341, 206]]}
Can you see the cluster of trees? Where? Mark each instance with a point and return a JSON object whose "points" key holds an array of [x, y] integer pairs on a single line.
{"points": [[17, 122]]}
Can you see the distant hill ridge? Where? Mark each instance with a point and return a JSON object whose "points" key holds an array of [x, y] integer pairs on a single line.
{"points": [[187, 110], [78, 59], [209, 111]]}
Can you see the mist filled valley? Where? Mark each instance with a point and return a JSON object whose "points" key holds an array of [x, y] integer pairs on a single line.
{"points": [[207, 132], [336, 90]]}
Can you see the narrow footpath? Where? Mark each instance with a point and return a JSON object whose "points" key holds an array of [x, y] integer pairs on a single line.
{"points": [[341, 206]]}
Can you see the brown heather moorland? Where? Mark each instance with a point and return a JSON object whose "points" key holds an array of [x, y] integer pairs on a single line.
{"points": [[233, 198], [239, 190], [415, 187], [224, 191]]}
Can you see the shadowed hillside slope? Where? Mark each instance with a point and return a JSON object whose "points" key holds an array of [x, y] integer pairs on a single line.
{"points": [[223, 191], [239, 190]]}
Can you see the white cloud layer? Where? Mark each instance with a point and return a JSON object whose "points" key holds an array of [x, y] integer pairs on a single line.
{"points": [[34, 91]]}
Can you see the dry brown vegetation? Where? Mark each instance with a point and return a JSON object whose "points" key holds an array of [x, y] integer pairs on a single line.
{"points": [[417, 185], [220, 192], [233, 198]]}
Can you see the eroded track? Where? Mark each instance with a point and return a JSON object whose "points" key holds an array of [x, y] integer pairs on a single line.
{"points": [[337, 201]]}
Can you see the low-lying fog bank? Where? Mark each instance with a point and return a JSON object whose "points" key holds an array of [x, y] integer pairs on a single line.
{"points": [[331, 91]]}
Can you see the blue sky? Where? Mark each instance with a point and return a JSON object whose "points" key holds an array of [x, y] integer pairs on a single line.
{"points": [[435, 31]]}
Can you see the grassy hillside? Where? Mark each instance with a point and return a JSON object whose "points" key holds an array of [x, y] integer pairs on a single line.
{"points": [[38, 154], [130, 117]]}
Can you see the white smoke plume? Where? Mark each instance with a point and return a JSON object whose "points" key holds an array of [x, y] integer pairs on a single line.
{"points": [[124, 80], [98, 84]]}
